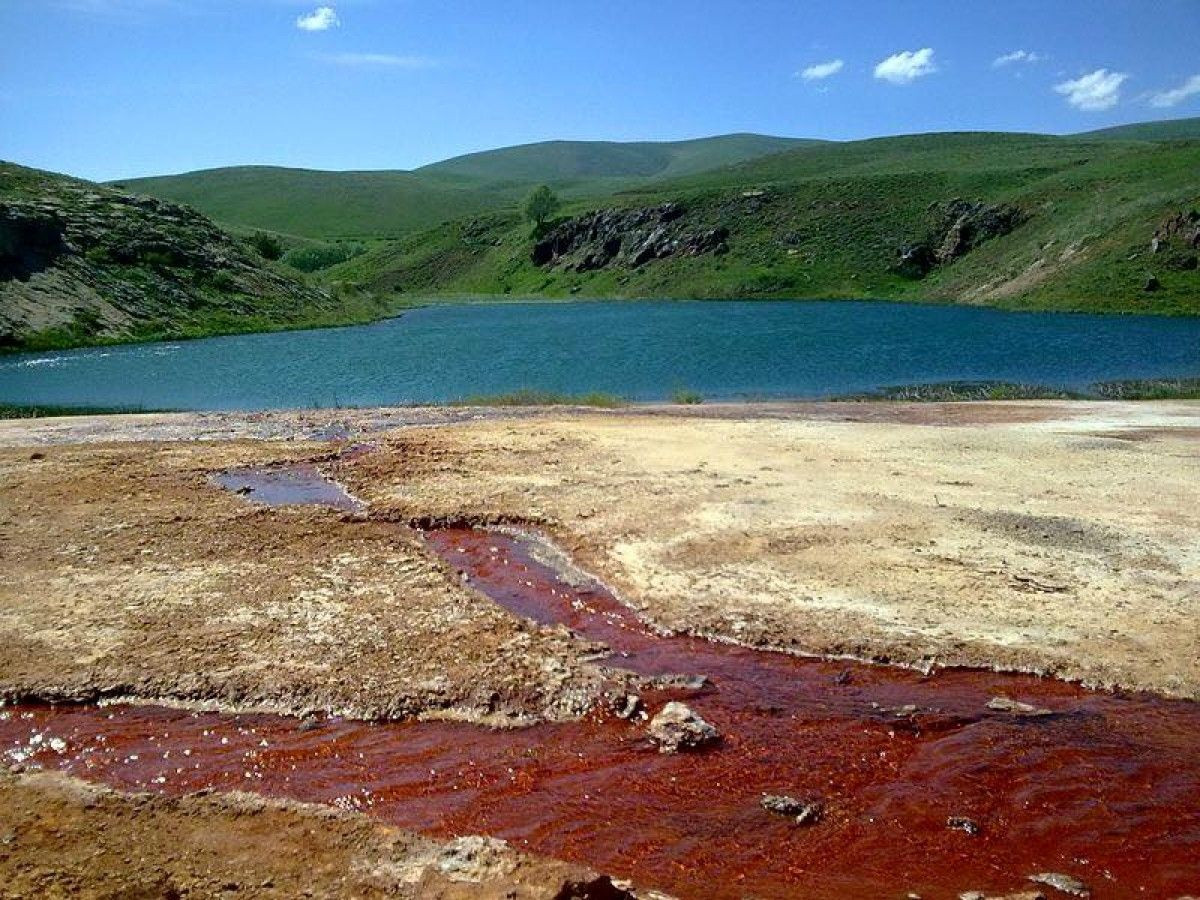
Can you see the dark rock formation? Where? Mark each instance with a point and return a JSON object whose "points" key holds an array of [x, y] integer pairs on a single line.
{"points": [[1175, 242], [1181, 230], [625, 237], [30, 240], [961, 227], [91, 262]]}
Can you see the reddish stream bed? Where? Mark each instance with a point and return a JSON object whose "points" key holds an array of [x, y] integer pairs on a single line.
{"points": [[1106, 788]]}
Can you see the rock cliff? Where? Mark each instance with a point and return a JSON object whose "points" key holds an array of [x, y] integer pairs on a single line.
{"points": [[80, 262], [625, 237]]}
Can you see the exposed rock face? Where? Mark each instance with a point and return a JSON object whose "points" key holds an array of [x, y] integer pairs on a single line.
{"points": [[676, 727], [625, 237], [98, 263], [30, 240], [1175, 243], [1181, 229], [962, 227]]}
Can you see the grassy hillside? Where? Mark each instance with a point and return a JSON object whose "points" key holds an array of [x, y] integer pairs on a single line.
{"points": [[567, 161], [338, 205], [323, 204], [830, 220], [81, 263], [1166, 130]]}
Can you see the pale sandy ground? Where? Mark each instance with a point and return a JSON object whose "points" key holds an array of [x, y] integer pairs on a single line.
{"points": [[1046, 536], [128, 573], [1059, 538]]}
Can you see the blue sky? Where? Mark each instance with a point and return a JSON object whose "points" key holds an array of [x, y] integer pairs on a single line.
{"points": [[116, 88]]}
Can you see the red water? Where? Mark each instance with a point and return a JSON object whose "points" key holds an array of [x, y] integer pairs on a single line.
{"points": [[1106, 789]]}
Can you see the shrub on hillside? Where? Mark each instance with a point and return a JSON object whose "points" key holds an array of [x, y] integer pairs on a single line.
{"points": [[312, 259], [266, 245]]}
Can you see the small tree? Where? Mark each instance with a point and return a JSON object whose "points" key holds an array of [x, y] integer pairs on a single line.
{"points": [[267, 245], [541, 205]]}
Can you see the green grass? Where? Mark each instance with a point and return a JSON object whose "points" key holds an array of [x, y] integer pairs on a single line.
{"points": [[567, 162], [963, 391], [832, 217], [532, 397], [364, 205], [1149, 389], [1165, 130], [43, 411], [960, 391], [686, 397]]}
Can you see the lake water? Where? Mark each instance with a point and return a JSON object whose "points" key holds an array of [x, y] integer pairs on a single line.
{"points": [[641, 351]]}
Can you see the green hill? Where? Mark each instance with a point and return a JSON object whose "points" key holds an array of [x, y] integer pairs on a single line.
{"points": [[318, 204], [331, 205], [1024, 221], [568, 161], [1165, 130], [81, 263]]}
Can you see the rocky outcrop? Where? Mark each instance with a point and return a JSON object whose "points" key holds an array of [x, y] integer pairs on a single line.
{"points": [[626, 237], [30, 240], [1177, 241], [677, 727], [89, 262], [961, 227]]}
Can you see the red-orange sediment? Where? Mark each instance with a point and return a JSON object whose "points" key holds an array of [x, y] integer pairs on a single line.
{"points": [[1106, 788]]}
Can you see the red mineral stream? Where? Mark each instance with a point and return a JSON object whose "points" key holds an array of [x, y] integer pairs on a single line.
{"points": [[925, 788]]}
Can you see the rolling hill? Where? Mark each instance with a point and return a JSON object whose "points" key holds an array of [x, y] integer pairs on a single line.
{"points": [[81, 264], [1165, 130], [1019, 220], [332, 205], [569, 161], [324, 205]]}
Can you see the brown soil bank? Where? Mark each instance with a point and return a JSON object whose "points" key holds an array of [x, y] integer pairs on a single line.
{"points": [[62, 838]]}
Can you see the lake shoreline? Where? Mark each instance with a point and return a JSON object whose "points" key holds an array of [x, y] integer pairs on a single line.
{"points": [[950, 392], [404, 304]]}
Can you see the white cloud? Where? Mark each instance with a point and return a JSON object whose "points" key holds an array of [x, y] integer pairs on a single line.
{"points": [[823, 70], [377, 59], [320, 19], [1095, 92], [1175, 96], [1017, 56], [906, 67]]}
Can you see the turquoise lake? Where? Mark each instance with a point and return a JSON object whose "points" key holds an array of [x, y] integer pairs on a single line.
{"points": [[639, 350]]}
